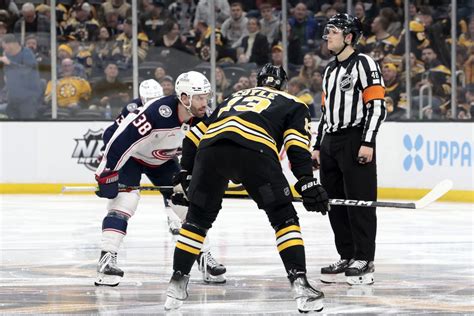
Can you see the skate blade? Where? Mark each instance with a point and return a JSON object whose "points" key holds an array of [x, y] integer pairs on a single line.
{"points": [[213, 279], [107, 280], [172, 303], [306, 305], [332, 278], [365, 279]]}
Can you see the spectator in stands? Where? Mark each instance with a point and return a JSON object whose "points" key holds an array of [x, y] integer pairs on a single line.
{"points": [[269, 24], [81, 25], [468, 66], [466, 108], [254, 47], [171, 37], [72, 92], [203, 12], [394, 25], [102, 49], [22, 79], [43, 60], [110, 90], [30, 21], [381, 43], [309, 66], [466, 39], [303, 26], [394, 93], [418, 41], [122, 49], [235, 27], [112, 23], [316, 89], [359, 12], [436, 75], [183, 11], [120, 6], [11, 8], [203, 49], [65, 51], [153, 20], [223, 86], [295, 55], [253, 78], [167, 83], [159, 73], [244, 81], [298, 88]]}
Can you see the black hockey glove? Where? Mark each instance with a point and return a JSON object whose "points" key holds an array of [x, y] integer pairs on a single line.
{"points": [[315, 198], [108, 184], [181, 182]]}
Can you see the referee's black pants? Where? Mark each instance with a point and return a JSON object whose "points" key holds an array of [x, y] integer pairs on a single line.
{"points": [[344, 178]]}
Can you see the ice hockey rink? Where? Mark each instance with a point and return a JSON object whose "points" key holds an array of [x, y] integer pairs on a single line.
{"points": [[50, 246]]}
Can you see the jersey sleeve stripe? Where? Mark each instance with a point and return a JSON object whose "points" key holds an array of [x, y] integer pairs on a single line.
{"points": [[376, 92], [193, 138], [296, 143], [202, 127], [295, 132], [241, 121]]}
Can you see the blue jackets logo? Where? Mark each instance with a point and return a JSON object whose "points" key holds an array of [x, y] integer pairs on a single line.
{"points": [[424, 152], [88, 149]]}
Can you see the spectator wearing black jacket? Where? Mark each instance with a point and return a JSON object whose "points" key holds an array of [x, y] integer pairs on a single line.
{"points": [[254, 47]]}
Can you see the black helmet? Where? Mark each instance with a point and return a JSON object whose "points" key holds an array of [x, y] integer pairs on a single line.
{"points": [[272, 76], [348, 24]]}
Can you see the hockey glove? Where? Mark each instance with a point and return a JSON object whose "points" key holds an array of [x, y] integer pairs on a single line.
{"points": [[108, 184], [179, 199], [315, 198], [181, 182]]}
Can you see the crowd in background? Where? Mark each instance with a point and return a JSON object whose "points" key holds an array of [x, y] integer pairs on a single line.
{"points": [[94, 52]]}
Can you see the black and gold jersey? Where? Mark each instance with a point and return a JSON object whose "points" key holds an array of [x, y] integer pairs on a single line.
{"points": [[261, 119]]}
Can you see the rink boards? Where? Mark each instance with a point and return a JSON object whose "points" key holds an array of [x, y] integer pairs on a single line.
{"points": [[41, 157]]}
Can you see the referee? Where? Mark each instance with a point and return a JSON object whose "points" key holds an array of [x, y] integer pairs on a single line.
{"points": [[353, 109]]}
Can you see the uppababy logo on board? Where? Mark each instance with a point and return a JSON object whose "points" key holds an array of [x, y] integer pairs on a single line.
{"points": [[425, 152], [413, 157], [88, 149]]}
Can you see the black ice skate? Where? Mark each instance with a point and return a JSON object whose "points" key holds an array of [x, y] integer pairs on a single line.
{"points": [[107, 271], [212, 271], [335, 272], [177, 291], [308, 299], [360, 272]]}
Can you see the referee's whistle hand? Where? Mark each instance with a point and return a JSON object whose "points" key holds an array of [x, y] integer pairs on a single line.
{"points": [[365, 154], [315, 158]]}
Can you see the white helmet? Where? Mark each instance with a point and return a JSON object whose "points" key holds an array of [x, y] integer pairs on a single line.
{"points": [[150, 89], [191, 83]]}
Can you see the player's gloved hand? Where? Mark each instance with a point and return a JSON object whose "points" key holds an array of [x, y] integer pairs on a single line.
{"points": [[315, 198], [179, 199], [108, 184], [181, 182]]}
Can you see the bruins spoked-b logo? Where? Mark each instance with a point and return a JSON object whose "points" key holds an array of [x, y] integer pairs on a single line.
{"points": [[346, 82], [88, 149]]}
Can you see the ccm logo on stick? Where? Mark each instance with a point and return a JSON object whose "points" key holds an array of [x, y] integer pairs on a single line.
{"points": [[350, 202]]}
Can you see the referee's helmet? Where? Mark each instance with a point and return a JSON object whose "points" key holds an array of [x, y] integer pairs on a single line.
{"points": [[347, 24], [272, 76]]}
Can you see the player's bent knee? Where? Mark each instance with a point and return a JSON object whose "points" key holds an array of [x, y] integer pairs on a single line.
{"points": [[125, 202], [202, 217], [280, 214]]}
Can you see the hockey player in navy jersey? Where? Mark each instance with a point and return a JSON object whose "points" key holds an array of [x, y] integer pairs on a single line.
{"points": [[145, 140]]}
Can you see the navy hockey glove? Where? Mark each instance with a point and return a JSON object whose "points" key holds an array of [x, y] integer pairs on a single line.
{"points": [[108, 184], [181, 182], [315, 198]]}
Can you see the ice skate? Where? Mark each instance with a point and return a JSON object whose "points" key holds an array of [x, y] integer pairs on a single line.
{"points": [[335, 272], [174, 225], [308, 299], [107, 271], [360, 272], [212, 271], [177, 291]]}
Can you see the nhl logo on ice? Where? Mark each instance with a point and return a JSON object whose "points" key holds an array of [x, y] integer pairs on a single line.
{"points": [[165, 111], [88, 149], [346, 82]]}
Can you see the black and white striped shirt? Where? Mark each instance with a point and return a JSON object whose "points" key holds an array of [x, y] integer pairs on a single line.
{"points": [[353, 95]]}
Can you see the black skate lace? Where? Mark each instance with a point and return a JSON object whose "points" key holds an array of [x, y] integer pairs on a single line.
{"points": [[338, 263], [359, 264]]}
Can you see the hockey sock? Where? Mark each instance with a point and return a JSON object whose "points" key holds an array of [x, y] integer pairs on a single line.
{"points": [[290, 245], [114, 228], [189, 244]]}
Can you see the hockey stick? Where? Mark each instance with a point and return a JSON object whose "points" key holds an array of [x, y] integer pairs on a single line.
{"points": [[438, 191], [122, 188]]}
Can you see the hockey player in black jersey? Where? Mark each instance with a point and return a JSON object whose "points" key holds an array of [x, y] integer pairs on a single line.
{"points": [[145, 140], [240, 142]]}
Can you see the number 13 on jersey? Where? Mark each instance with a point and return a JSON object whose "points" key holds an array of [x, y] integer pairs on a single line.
{"points": [[242, 104]]}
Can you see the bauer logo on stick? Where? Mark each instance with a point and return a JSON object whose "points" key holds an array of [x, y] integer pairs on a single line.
{"points": [[88, 149]]}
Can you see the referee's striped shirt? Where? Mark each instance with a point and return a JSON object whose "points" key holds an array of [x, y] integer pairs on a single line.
{"points": [[353, 96]]}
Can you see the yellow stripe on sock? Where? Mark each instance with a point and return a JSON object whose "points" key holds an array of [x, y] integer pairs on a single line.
{"points": [[184, 247], [287, 229], [192, 235], [290, 243]]}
